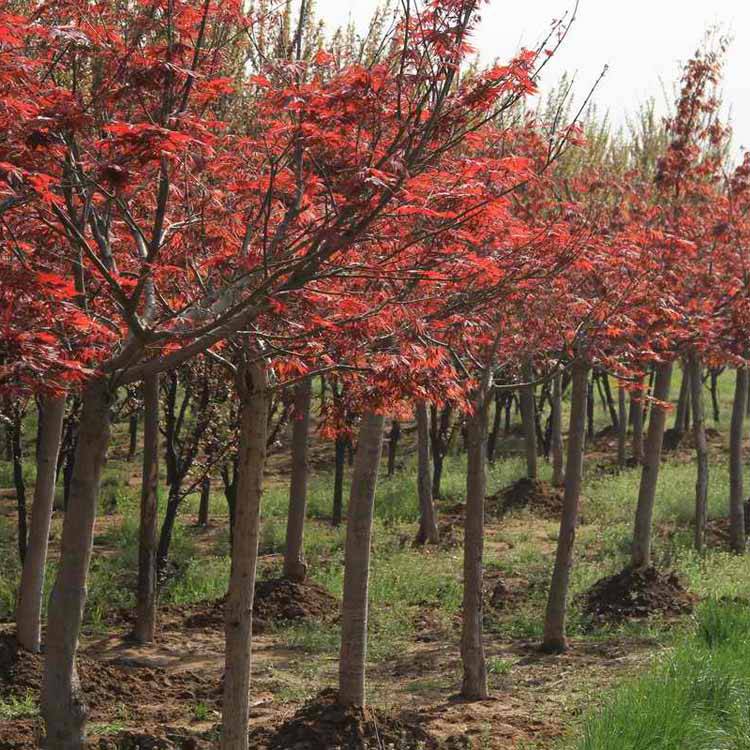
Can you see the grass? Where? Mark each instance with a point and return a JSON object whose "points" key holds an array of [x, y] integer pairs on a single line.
{"points": [[697, 698], [14, 707]]}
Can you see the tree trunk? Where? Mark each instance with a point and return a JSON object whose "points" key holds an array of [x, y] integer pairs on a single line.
{"points": [[203, 506], [701, 451], [557, 438], [614, 416], [715, 394], [495, 431], [737, 539], [19, 481], [338, 481], [590, 405], [428, 530], [682, 401], [636, 413], [62, 701], [295, 568], [238, 612], [554, 623], [133, 429], [474, 684], [354, 606], [528, 417], [622, 428], [145, 608], [167, 528], [29, 610], [641, 552], [393, 439]]}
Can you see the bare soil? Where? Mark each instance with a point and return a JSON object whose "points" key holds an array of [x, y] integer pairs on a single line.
{"points": [[538, 497]]}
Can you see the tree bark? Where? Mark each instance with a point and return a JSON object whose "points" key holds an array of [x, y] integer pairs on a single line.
{"points": [[295, 568], [338, 482], [528, 417], [680, 419], [29, 610], [641, 551], [203, 506], [133, 440], [145, 608], [715, 393], [701, 450], [622, 428], [558, 476], [393, 439], [428, 530], [554, 623], [354, 606], [474, 684], [238, 612], [636, 413], [63, 706], [590, 406], [737, 540]]}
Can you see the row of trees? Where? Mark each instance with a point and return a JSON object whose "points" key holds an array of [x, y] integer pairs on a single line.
{"points": [[210, 203]]}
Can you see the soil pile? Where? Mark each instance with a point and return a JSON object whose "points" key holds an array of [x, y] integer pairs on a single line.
{"points": [[322, 724], [277, 600], [539, 497], [637, 594]]}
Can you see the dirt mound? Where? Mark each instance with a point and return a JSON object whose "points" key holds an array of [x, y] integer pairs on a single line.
{"points": [[673, 439], [539, 497], [717, 529], [106, 686], [637, 594], [277, 600], [322, 724]]}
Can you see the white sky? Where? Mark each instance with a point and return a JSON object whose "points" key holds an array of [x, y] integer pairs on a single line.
{"points": [[642, 41]]}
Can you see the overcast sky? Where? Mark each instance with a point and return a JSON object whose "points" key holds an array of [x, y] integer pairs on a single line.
{"points": [[642, 41]]}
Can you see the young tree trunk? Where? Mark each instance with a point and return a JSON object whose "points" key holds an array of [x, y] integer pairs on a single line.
{"points": [[636, 414], [203, 506], [133, 430], [715, 394], [18, 481], [528, 417], [62, 701], [295, 568], [590, 406], [439, 439], [238, 613], [338, 481], [354, 605], [622, 428], [614, 415], [682, 401], [554, 623], [145, 607], [474, 684], [167, 528], [558, 470], [393, 439], [29, 610], [641, 551], [428, 530], [737, 539], [495, 431], [701, 450]]}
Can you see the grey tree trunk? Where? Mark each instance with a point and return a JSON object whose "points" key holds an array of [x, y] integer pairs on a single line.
{"points": [[474, 684], [145, 608], [354, 606], [295, 568], [29, 610], [528, 417], [622, 428], [338, 481], [428, 530], [644, 515], [558, 470], [205, 500], [554, 623], [393, 440], [238, 612], [701, 450], [62, 702], [737, 540], [636, 414], [682, 410]]}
